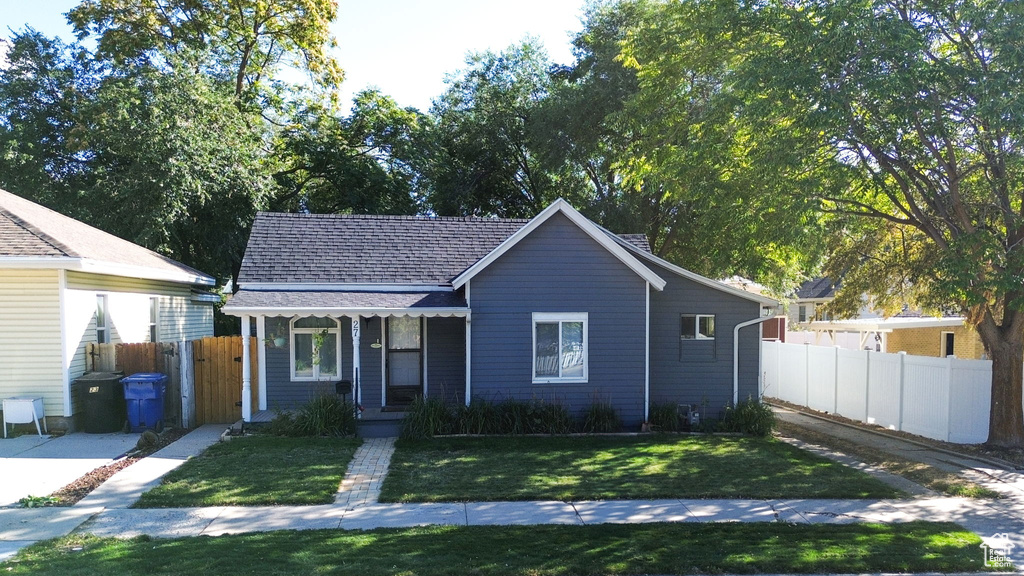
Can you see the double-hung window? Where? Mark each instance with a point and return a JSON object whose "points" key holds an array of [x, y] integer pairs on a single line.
{"points": [[697, 327], [102, 328], [154, 304], [315, 348], [559, 347]]}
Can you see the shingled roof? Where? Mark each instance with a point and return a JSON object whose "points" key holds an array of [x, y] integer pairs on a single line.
{"points": [[822, 287], [365, 249], [31, 231]]}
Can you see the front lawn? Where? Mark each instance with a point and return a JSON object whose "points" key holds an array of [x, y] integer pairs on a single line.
{"points": [[258, 470], [616, 467], [525, 550]]}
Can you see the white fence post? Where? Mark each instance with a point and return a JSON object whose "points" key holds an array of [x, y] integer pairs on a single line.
{"points": [[188, 400], [835, 391], [903, 379], [867, 386], [807, 374], [949, 396]]}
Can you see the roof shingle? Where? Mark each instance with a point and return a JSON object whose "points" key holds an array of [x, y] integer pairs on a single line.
{"points": [[364, 249]]}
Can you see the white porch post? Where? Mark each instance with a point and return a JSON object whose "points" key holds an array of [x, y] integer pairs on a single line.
{"points": [[469, 356], [246, 372], [261, 360], [357, 388]]}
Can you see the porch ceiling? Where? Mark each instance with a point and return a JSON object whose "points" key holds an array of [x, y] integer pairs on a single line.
{"points": [[338, 303]]}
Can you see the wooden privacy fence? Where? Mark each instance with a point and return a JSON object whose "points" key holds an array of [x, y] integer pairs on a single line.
{"points": [[218, 378], [204, 376], [942, 398]]}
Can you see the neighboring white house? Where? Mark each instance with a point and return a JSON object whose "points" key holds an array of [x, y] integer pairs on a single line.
{"points": [[64, 285]]}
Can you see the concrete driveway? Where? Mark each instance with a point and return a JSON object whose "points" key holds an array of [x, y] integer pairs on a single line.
{"points": [[30, 465]]}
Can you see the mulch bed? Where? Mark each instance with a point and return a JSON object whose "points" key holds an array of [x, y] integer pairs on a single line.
{"points": [[1012, 456], [80, 488]]}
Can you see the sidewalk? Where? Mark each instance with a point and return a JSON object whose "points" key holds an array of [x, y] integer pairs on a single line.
{"points": [[106, 512], [20, 527]]}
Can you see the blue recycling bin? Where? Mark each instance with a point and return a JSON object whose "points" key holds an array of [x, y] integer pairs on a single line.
{"points": [[144, 395]]}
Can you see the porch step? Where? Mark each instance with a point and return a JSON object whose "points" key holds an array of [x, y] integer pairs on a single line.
{"points": [[378, 428]]}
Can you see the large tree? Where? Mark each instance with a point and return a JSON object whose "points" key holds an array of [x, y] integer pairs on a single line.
{"points": [[907, 117]]}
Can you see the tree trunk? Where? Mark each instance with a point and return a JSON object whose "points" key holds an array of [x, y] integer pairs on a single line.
{"points": [[1005, 346]]}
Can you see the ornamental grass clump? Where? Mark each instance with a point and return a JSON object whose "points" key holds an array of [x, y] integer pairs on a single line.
{"points": [[664, 417], [426, 418], [750, 416], [326, 415], [601, 417]]}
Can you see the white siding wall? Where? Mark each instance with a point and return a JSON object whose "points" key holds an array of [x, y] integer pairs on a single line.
{"points": [[128, 313], [30, 352]]}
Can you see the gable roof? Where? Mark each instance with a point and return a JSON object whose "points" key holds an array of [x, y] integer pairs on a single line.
{"points": [[822, 287], [610, 242], [716, 284], [32, 235], [320, 249]]}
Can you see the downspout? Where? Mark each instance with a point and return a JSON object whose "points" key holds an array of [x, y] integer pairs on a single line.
{"points": [[736, 352]]}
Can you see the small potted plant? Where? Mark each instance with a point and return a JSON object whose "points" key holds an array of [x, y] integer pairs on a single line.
{"points": [[276, 339]]}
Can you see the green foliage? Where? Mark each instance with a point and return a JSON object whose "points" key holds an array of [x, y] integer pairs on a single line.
{"points": [[324, 415], [283, 424], [38, 501], [664, 417], [426, 418], [248, 42], [750, 416], [480, 417], [601, 417]]}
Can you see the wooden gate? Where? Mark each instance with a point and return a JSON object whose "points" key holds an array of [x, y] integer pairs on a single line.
{"points": [[218, 378]]}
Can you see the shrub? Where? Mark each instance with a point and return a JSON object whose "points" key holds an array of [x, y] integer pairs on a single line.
{"points": [[480, 417], [664, 417], [326, 415], [283, 424], [749, 417], [549, 418], [512, 417], [601, 417], [427, 418]]}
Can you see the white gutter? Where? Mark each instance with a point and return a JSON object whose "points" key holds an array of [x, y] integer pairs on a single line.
{"points": [[736, 352]]}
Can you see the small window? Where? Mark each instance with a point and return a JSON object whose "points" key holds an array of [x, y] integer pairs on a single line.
{"points": [[154, 304], [697, 327], [102, 329], [801, 315], [559, 347], [315, 349], [947, 344]]}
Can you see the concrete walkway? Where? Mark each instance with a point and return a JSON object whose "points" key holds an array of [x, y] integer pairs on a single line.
{"points": [[20, 527], [365, 475], [983, 517], [107, 514]]}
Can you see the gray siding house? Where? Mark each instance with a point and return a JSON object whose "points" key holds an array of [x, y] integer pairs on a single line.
{"points": [[554, 308]]}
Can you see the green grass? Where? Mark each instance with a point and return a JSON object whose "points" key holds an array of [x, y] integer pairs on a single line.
{"points": [[608, 468], [524, 550], [258, 470]]}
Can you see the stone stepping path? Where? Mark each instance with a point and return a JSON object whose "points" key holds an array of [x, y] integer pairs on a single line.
{"points": [[365, 475]]}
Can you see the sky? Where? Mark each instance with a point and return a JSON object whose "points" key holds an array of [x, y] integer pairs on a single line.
{"points": [[405, 48]]}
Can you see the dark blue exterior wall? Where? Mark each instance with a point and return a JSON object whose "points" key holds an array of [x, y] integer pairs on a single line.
{"points": [[446, 363], [558, 268], [282, 393], [695, 372]]}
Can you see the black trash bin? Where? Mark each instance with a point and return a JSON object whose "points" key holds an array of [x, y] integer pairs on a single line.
{"points": [[102, 401]]}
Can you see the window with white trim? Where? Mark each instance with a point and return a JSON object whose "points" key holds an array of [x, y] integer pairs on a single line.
{"points": [[315, 348], [697, 327], [560, 347], [154, 306], [102, 328]]}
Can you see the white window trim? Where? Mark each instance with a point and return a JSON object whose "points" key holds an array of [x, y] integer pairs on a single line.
{"points": [[154, 318], [697, 336], [105, 328], [560, 317], [292, 331]]}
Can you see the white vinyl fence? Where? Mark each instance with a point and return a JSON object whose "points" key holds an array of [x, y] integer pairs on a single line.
{"points": [[942, 398]]}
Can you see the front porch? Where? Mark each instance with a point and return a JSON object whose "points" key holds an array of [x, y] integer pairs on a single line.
{"points": [[393, 347]]}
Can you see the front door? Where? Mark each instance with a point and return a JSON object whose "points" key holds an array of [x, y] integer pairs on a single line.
{"points": [[404, 339]]}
